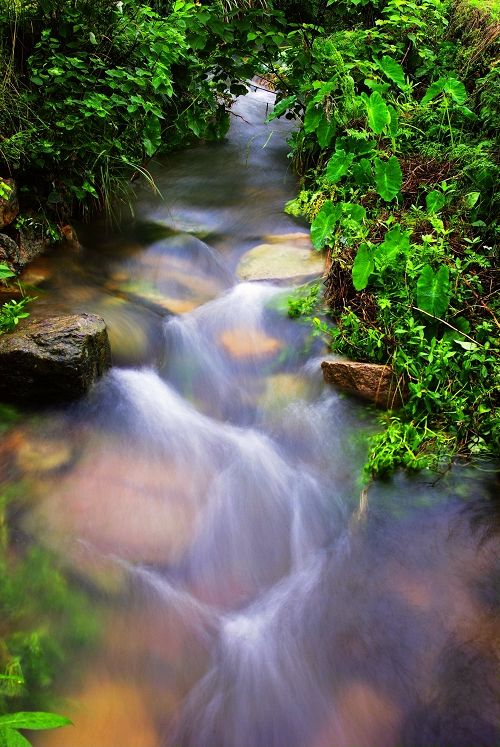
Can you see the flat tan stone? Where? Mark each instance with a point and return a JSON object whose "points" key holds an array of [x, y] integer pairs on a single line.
{"points": [[369, 381], [249, 343], [284, 260]]}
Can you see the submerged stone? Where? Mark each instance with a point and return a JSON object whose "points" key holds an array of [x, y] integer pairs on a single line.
{"points": [[289, 257], [242, 343], [370, 381], [54, 359]]}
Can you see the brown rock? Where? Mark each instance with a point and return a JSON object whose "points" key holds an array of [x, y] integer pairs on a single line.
{"points": [[369, 381], [32, 243], [9, 206], [9, 251], [54, 359]]}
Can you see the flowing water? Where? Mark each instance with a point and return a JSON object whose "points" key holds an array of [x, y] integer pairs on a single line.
{"points": [[205, 496]]}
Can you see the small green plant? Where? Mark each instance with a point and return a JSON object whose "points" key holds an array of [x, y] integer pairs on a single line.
{"points": [[5, 190], [11, 312]]}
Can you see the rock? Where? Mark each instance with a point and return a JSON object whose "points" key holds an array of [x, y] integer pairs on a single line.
{"points": [[9, 251], [9, 205], [243, 343], [32, 243], [280, 390], [290, 258], [54, 359], [369, 381], [42, 455]]}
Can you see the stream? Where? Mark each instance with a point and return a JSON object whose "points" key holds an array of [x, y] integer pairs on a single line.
{"points": [[206, 496]]}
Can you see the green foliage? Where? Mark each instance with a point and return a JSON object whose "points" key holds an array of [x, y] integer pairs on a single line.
{"points": [[433, 290], [377, 112], [390, 125], [388, 178], [6, 272], [33, 720], [11, 312], [102, 87]]}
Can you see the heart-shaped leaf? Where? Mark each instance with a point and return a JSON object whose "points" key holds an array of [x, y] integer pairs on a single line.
{"points": [[393, 71], [435, 201], [395, 243], [362, 268], [324, 224], [377, 112], [433, 290], [388, 178], [338, 165]]}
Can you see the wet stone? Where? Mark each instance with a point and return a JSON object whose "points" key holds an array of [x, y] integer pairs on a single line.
{"points": [[283, 258], [246, 343], [54, 359]]}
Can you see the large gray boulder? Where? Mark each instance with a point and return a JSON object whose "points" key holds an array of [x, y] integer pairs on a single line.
{"points": [[369, 381], [53, 360]]}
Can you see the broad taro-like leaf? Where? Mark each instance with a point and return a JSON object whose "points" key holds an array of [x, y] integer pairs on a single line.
{"points": [[395, 243], [434, 90], [312, 117], [354, 212], [394, 123], [362, 172], [433, 290], [33, 720], [325, 132], [281, 107], [394, 71], [362, 268], [377, 111], [324, 224], [435, 201], [451, 86], [388, 178], [338, 165], [456, 90]]}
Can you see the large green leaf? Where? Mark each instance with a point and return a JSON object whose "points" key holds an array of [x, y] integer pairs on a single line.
{"points": [[281, 107], [388, 177], [378, 113], [362, 268], [354, 212], [394, 71], [433, 290], [451, 86], [456, 90], [394, 244], [325, 131], [12, 738], [338, 165], [33, 720], [394, 123], [362, 172], [324, 224], [434, 201], [312, 117]]}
